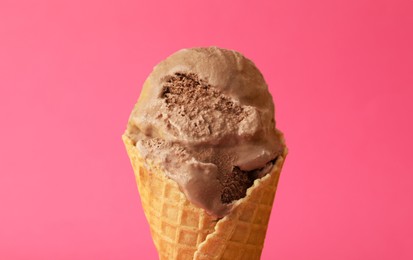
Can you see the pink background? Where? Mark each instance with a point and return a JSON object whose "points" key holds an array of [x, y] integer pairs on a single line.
{"points": [[341, 73]]}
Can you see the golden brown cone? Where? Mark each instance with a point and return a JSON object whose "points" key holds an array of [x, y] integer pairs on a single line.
{"points": [[181, 230]]}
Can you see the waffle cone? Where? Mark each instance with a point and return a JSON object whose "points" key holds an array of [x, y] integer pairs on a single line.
{"points": [[180, 230]]}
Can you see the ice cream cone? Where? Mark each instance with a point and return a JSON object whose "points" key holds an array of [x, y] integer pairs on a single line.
{"points": [[181, 230]]}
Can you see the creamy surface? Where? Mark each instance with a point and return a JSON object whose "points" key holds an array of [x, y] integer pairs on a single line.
{"points": [[205, 115]]}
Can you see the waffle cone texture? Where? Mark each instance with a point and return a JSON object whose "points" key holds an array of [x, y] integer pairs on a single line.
{"points": [[181, 230]]}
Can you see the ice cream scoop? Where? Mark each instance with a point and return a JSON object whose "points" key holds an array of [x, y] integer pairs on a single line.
{"points": [[205, 116]]}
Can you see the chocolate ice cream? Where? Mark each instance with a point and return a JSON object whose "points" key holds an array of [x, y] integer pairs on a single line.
{"points": [[205, 115]]}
